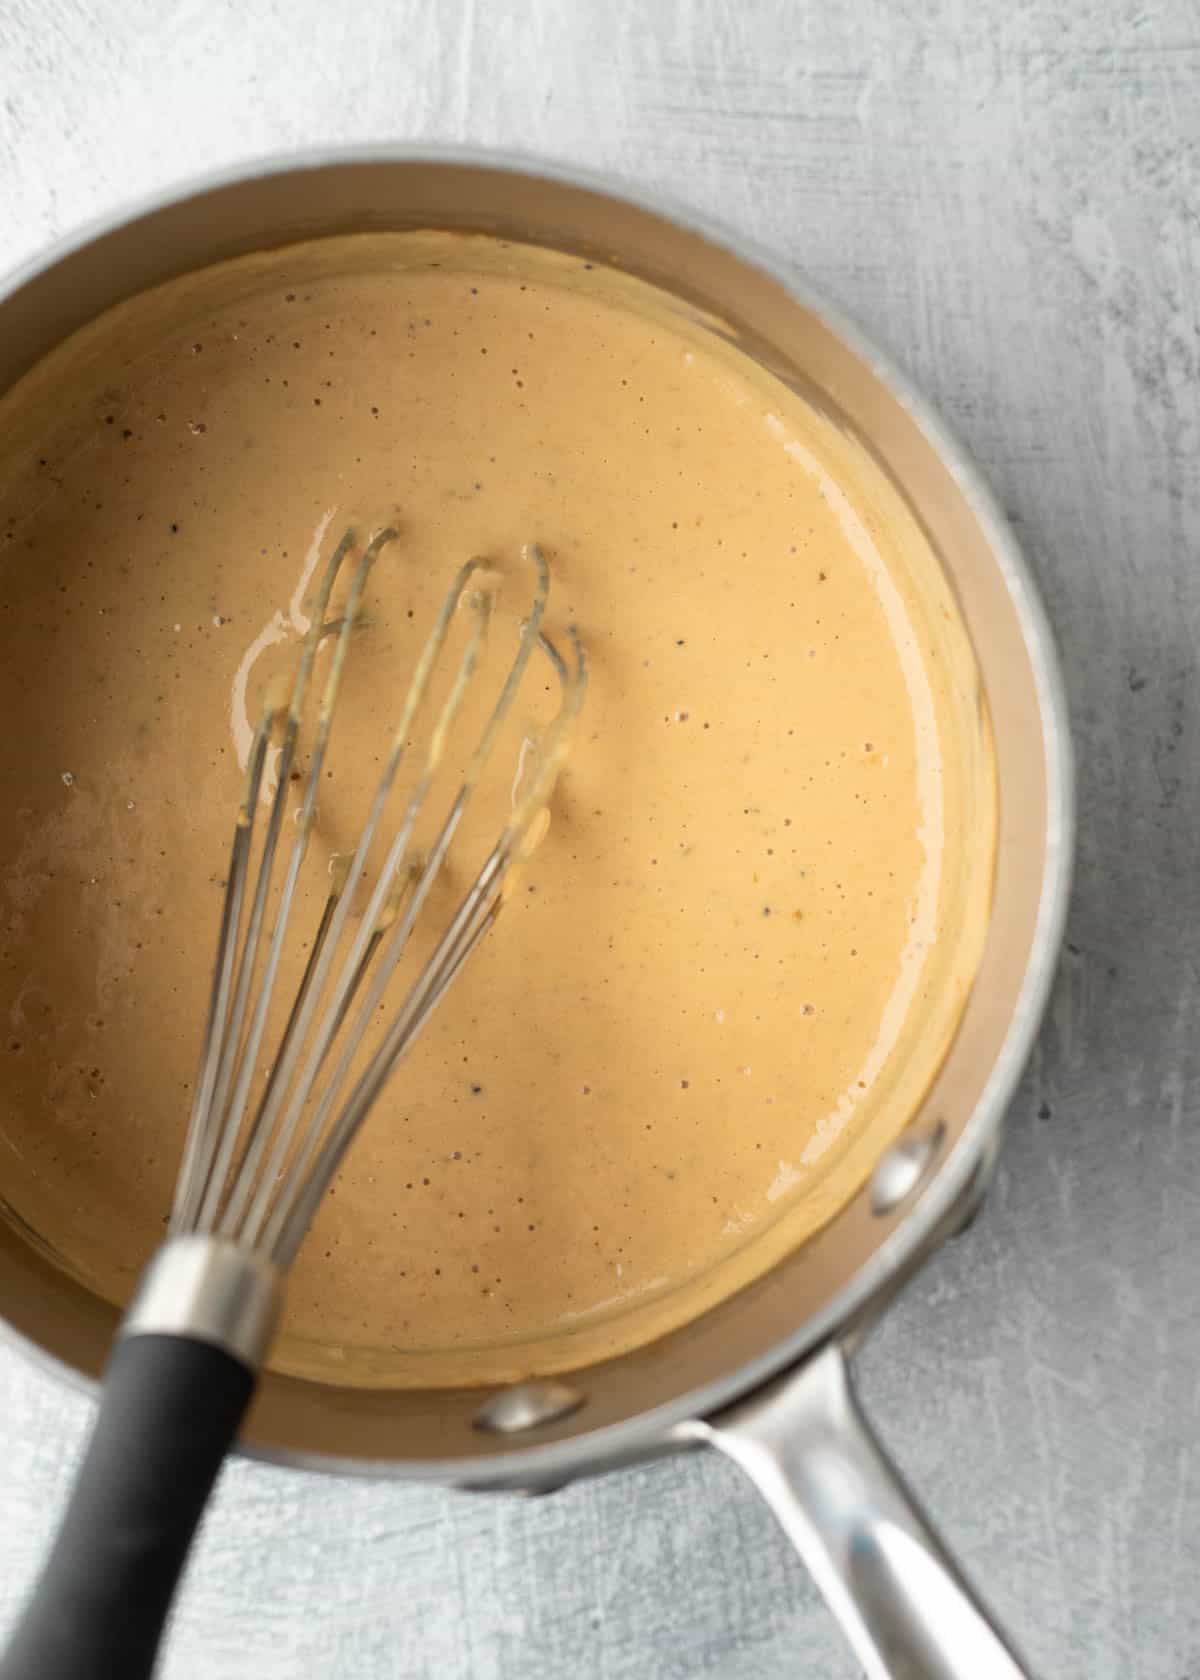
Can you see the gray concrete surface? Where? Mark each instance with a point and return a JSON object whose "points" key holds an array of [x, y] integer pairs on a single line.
{"points": [[1006, 194]]}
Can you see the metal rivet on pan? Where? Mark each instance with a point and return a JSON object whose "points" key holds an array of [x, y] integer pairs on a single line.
{"points": [[527, 1404], [904, 1166]]}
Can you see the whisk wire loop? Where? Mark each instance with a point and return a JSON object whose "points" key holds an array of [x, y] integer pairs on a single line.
{"points": [[259, 1183]]}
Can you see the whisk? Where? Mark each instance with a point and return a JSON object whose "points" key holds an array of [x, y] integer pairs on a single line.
{"points": [[185, 1361]]}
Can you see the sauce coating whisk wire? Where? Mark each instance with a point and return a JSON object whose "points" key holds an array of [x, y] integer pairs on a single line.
{"points": [[264, 1193]]}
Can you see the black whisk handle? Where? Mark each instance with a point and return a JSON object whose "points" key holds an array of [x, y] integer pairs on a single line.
{"points": [[169, 1411]]}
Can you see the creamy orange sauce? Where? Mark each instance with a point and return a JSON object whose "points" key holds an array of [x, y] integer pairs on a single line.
{"points": [[734, 964]]}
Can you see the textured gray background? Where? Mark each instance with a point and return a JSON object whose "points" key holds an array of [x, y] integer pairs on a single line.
{"points": [[1005, 193]]}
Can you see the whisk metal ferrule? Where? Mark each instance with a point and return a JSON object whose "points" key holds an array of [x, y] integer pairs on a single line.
{"points": [[209, 1290]]}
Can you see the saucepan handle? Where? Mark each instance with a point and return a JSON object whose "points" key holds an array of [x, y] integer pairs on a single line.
{"points": [[903, 1604]]}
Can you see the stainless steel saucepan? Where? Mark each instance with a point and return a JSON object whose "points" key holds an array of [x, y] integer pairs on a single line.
{"points": [[762, 1377]]}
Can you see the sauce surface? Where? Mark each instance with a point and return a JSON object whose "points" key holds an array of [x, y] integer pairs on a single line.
{"points": [[730, 971]]}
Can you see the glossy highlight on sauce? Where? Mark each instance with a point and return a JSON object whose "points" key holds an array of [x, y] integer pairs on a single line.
{"points": [[735, 963]]}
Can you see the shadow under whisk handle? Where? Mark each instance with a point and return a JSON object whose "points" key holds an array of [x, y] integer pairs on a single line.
{"points": [[169, 1411]]}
